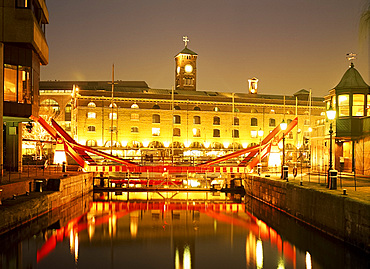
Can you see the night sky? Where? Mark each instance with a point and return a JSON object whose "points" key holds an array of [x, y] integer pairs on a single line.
{"points": [[287, 44]]}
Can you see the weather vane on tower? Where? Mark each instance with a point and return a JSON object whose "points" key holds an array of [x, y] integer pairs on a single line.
{"points": [[186, 40], [350, 57]]}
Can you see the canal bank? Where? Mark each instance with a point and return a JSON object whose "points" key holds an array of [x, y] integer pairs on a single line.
{"points": [[338, 215], [58, 193]]}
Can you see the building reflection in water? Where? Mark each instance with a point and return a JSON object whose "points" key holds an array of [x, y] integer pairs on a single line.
{"points": [[180, 230]]}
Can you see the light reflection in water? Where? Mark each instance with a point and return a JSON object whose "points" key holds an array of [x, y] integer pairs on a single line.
{"points": [[259, 254], [187, 257], [308, 260]]}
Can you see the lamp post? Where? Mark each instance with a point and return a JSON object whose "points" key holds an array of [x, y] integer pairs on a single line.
{"points": [[259, 166], [332, 184], [284, 169]]}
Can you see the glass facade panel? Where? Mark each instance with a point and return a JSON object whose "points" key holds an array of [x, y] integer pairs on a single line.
{"points": [[358, 105], [343, 105], [10, 83]]}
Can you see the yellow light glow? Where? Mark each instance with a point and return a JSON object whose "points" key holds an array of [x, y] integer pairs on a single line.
{"points": [[177, 259], [259, 254], [188, 68], [274, 159], [207, 144], [226, 144], [76, 247], [178, 69], [134, 223], [187, 143], [124, 143], [166, 144], [245, 145], [59, 155], [145, 144], [310, 129]]}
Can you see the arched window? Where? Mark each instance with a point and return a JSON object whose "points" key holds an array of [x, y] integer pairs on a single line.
{"points": [[156, 118], [156, 106], [254, 122], [197, 108], [236, 121], [216, 120], [134, 129], [272, 111], [112, 105], [91, 104], [253, 110], [134, 105], [272, 122], [177, 119], [176, 132], [49, 107], [91, 143], [196, 120], [216, 109], [216, 132], [91, 128], [236, 110], [177, 108]]}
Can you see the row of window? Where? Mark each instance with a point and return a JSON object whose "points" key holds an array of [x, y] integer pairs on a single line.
{"points": [[196, 108], [156, 118], [17, 84], [177, 132]]}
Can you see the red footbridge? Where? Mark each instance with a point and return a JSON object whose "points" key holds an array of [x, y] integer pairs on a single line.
{"points": [[80, 153]]}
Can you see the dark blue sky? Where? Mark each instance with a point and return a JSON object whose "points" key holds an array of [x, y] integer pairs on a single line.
{"points": [[287, 44]]}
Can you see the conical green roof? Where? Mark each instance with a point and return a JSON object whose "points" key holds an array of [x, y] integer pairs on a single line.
{"points": [[187, 51], [352, 80]]}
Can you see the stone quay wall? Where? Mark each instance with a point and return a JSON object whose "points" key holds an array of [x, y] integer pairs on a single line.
{"points": [[56, 193], [337, 215]]}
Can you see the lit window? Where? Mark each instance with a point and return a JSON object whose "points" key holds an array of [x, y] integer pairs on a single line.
{"points": [[10, 83], [343, 105], [216, 109], [91, 143], [22, 3], [134, 129], [134, 105], [216, 120], [134, 116], [91, 104], [196, 132], [196, 120], [254, 122], [253, 133], [156, 131], [236, 121], [91, 115], [216, 133], [272, 123], [176, 132], [272, 111], [235, 133], [113, 116], [113, 105], [358, 105], [91, 128], [177, 119], [156, 118]]}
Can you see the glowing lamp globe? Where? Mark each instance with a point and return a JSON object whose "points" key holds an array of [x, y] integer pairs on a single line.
{"points": [[283, 125], [331, 113]]}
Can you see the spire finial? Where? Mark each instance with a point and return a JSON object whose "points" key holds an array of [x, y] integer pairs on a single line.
{"points": [[186, 40]]}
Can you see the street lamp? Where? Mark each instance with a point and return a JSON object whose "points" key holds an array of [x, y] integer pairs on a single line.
{"points": [[331, 113], [284, 169], [259, 166]]}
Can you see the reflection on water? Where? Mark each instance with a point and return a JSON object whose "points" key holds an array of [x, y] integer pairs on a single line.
{"points": [[181, 230]]}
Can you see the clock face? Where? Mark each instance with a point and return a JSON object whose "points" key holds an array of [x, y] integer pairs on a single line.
{"points": [[178, 69], [188, 68]]}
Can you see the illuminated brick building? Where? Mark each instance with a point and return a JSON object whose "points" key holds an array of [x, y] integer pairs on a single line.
{"points": [[187, 121]]}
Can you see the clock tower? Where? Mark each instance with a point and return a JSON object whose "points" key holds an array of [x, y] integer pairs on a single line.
{"points": [[186, 68]]}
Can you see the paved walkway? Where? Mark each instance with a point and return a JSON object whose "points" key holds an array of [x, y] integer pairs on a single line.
{"points": [[357, 188]]}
